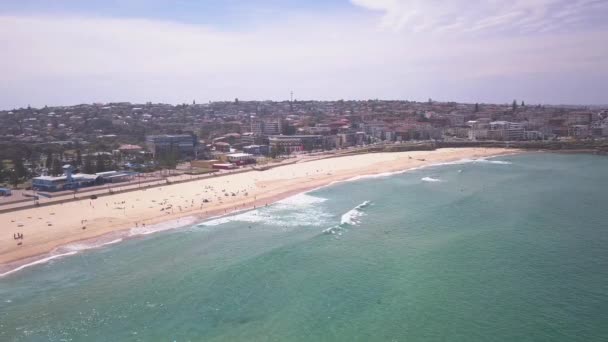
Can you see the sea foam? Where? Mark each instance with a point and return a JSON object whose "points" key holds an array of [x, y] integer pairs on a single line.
{"points": [[155, 228], [489, 161], [393, 173], [477, 160], [37, 262], [298, 210], [102, 241], [430, 179], [271, 215], [349, 218]]}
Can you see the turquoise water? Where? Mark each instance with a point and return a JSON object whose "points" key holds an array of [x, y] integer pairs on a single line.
{"points": [[513, 249]]}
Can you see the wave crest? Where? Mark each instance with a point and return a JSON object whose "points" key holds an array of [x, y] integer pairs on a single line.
{"points": [[298, 210], [350, 218], [155, 228]]}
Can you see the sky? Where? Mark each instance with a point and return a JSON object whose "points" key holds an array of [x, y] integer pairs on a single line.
{"points": [[66, 52]]}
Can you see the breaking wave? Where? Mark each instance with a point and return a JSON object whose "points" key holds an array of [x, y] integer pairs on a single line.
{"points": [[488, 161], [299, 210], [393, 173], [37, 262], [155, 228], [101, 241], [350, 218], [430, 179], [478, 160], [67, 250]]}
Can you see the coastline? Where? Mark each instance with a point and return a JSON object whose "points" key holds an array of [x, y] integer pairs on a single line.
{"points": [[266, 187]]}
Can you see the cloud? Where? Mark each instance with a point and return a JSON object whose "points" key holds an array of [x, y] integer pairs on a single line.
{"points": [[73, 59], [515, 16]]}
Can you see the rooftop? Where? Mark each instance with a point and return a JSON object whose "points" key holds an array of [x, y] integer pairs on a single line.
{"points": [[239, 155]]}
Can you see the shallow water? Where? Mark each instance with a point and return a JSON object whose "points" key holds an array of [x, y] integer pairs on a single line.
{"points": [[509, 249]]}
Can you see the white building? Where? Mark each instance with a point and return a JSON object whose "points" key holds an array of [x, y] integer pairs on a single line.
{"points": [[239, 157]]}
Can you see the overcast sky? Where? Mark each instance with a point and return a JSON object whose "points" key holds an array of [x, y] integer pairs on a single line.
{"points": [[67, 52]]}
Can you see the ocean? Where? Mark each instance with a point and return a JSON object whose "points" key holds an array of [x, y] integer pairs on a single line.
{"points": [[513, 248]]}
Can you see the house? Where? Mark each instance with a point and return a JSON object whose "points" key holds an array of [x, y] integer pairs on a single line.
{"points": [[221, 146]]}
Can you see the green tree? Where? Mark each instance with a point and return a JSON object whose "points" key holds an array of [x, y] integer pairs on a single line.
{"points": [[49, 160], [174, 157], [2, 171], [56, 168], [169, 158], [100, 163], [78, 158], [277, 151], [287, 129], [308, 146], [116, 160], [19, 171], [89, 167], [14, 180]]}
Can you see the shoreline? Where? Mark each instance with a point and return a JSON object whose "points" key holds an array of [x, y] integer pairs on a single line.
{"points": [[120, 232]]}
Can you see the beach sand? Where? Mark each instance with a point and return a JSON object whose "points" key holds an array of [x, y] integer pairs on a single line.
{"points": [[45, 229]]}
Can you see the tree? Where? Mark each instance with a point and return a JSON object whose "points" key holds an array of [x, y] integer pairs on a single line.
{"points": [[116, 160], [514, 105], [100, 163], [277, 151], [1, 171], [287, 129], [169, 158], [49, 160], [88, 164], [56, 169], [19, 171], [308, 146], [78, 158], [476, 107], [13, 178]]}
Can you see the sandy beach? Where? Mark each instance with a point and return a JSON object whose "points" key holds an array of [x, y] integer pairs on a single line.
{"points": [[45, 229]]}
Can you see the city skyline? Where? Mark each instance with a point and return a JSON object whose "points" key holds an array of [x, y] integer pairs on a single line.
{"points": [[69, 52]]}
